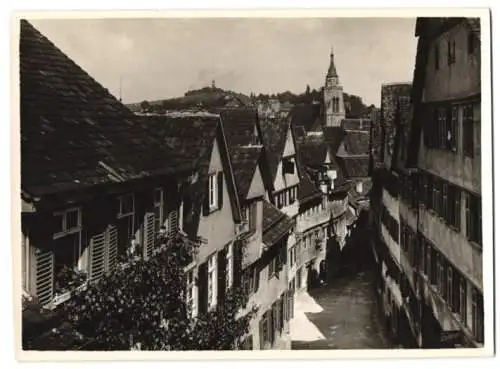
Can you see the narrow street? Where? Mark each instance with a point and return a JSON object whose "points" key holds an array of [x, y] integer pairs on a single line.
{"points": [[343, 314]]}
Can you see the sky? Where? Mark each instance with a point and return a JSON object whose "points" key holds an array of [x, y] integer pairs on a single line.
{"points": [[163, 58]]}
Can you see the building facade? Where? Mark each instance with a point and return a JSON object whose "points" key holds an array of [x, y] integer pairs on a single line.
{"points": [[426, 203]]}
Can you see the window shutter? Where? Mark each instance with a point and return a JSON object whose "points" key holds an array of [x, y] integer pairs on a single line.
{"points": [[149, 235], [221, 277], [112, 246], [206, 200], [261, 332], [44, 260], [237, 262], [173, 222], [97, 256], [203, 288], [256, 278], [220, 188]]}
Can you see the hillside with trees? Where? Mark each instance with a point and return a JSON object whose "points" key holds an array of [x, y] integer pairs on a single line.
{"points": [[213, 97]]}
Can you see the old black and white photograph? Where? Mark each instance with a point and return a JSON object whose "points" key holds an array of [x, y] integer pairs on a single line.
{"points": [[250, 183]]}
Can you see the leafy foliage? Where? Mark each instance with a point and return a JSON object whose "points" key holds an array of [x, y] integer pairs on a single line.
{"points": [[142, 306]]}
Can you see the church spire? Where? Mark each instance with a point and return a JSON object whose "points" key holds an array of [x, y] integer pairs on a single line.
{"points": [[332, 72]]}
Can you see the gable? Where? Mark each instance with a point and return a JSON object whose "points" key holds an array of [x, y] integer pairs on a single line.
{"points": [[328, 157], [342, 151], [257, 188], [282, 180], [289, 144]]}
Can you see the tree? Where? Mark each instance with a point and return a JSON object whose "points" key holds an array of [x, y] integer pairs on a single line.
{"points": [[142, 306], [308, 90], [145, 106]]}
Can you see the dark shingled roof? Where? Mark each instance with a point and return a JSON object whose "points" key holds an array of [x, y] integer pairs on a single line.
{"points": [[275, 224], [74, 133], [354, 166], [357, 143], [244, 161], [312, 149], [307, 188], [307, 116], [239, 125], [192, 137], [334, 137], [274, 134]]}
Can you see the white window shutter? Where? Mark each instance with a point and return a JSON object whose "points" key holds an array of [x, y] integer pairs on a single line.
{"points": [[97, 256], [173, 222], [112, 248], [44, 275], [149, 235]]}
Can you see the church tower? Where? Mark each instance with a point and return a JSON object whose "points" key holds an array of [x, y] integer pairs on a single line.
{"points": [[333, 97]]}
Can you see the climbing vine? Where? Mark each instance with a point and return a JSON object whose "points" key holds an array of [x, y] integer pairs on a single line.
{"points": [[141, 306]]}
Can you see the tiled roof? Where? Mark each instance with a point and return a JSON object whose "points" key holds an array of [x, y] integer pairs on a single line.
{"points": [[74, 133], [307, 116], [356, 143], [275, 224], [307, 188], [354, 166], [274, 134], [239, 125], [333, 137], [192, 138], [244, 161], [312, 149]]}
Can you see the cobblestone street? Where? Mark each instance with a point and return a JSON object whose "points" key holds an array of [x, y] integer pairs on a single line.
{"points": [[344, 314]]}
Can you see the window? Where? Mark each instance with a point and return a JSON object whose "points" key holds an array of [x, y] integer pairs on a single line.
{"points": [[463, 300], [468, 130], [473, 218], [276, 319], [449, 285], [126, 205], [191, 294], [212, 191], [250, 281], [477, 315], [212, 281], [451, 52], [273, 267], [282, 311], [67, 251], [434, 267], [264, 329], [67, 222], [288, 166], [158, 205], [439, 272], [428, 255], [252, 216], [453, 128], [436, 57], [229, 266], [441, 127]]}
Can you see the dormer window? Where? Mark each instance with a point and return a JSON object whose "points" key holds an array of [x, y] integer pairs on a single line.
{"points": [[213, 198], [288, 166], [212, 191]]}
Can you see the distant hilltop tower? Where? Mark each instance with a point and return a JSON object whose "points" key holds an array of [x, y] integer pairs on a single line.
{"points": [[213, 84], [333, 97]]}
